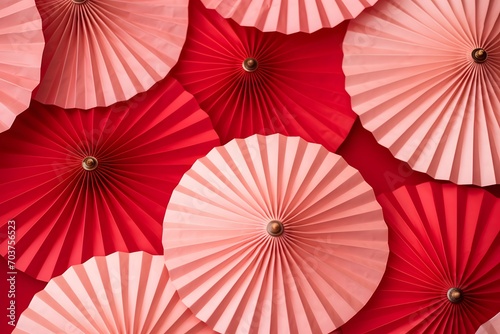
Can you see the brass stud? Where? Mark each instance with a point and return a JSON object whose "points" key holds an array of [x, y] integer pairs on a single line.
{"points": [[250, 64], [455, 295], [479, 55], [275, 228], [89, 163]]}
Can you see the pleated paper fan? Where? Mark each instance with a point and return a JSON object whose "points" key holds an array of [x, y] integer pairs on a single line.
{"points": [[424, 78], [100, 52], [289, 17], [443, 273], [84, 183], [272, 234], [492, 326], [251, 82], [119, 293], [21, 46]]}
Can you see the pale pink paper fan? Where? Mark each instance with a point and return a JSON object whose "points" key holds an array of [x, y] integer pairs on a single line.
{"points": [[424, 77], [274, 235], [289, 16], [21, 46], [103, 51], [490, 327], [119, 293]]}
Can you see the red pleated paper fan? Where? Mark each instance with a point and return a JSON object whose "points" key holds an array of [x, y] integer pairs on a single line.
{"points": [[251, 82], [84, 183], [443, 273]]}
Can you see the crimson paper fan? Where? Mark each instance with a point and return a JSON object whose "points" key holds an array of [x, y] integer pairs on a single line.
{"points": [[21, 46], [274, 235], [424, 77], [84, 183], [289, 17], [492, 326], [100, 52], [118, 293], [253, 82], [443, 273]]}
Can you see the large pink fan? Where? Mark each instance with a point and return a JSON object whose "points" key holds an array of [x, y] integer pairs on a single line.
{"points": [[289, 16], [492, 326], [84, 183], [443, 273], [274, 235], [119, 293], [21, 46], [424, 76], [251, 82], [102, 51]]}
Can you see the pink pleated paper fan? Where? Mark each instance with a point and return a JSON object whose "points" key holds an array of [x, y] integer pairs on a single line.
{"points": [[100, 52], [289, 16], [119, 293], [21, 46], [443, 272], [491, 326], [80, 183], [424, 78], [250, 82], [272, 234]]}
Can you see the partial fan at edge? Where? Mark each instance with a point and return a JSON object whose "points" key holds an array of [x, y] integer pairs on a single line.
{"points": [[423, 76], [21, 47], [118, 293], [115, 49], [289, 17], [443, 273]]}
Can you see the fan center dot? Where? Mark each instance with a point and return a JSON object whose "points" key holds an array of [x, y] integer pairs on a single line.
{"points": [[275, 228], [479, 55], [89, 163], [250, 64], [454, 295]]}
